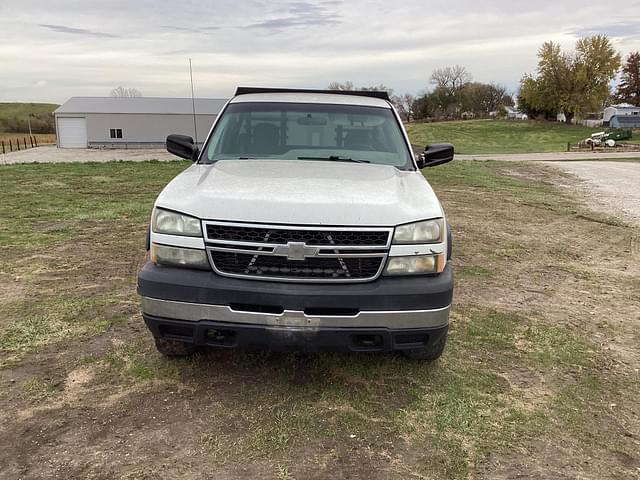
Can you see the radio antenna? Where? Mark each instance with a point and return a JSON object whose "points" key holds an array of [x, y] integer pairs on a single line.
{"points": [[193, 105]]}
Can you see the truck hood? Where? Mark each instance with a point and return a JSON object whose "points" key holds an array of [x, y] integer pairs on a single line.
{"points": [[301, 193]]}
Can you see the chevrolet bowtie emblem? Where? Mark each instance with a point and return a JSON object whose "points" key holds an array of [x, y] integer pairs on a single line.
{"points": [[295, 251]]}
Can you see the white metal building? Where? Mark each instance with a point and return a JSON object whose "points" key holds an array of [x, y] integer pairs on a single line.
{"points": [[619, 110], [116, 122]]}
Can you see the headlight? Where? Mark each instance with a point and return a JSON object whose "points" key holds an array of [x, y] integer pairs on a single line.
{"points": [[429, 231], [415, 264], [172, 223], [179, 257]]}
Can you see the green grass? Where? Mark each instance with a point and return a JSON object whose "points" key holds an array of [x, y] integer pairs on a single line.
{"points": [[14, 117], [23, 109], [70, 194], [41, 322], [499, 136]]}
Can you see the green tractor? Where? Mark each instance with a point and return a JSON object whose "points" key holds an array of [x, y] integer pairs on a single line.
{"points": [[618, 134], [608, 138]]}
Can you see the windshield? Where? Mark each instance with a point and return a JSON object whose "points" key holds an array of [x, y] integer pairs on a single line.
{"points": [[307, 132]]}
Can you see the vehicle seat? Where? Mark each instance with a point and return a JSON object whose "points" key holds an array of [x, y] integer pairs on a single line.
{"points": [[358, 139], [266, 138]]}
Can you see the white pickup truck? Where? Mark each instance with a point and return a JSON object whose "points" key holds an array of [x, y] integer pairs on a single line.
{"points": [[304, 223]]}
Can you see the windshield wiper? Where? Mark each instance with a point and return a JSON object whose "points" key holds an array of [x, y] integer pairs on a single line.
{"points": [[335, 158]]}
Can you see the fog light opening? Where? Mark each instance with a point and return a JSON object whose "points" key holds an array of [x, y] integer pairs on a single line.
{"points": [[367, 341], [214, 336]]}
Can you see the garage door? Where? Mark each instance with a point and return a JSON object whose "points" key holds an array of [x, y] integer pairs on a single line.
{"points": [[72, 132]]}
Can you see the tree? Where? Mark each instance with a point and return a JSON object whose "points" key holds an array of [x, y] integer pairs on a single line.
{"points": [[450, 79], [571, 82], [404, 105], [629, 87], [483, 98], [125, 92], [348, 86], [448, 83], [423, 107], [533, 99]]}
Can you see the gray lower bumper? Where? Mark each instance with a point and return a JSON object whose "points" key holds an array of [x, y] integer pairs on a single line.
{"points": [[193, 312]]}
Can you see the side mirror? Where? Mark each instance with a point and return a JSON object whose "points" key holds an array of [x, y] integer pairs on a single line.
{"points": [[435, 154], [182, 146]]}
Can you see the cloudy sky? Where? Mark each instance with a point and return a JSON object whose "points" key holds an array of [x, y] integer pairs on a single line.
{"points": [[54, 49]]}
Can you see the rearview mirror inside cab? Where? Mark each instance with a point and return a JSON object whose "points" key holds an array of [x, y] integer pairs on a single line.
{"points": [[435, 154]]}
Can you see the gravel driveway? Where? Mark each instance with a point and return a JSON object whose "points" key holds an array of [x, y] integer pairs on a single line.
{"points": [[52, 154], [613, 185]]}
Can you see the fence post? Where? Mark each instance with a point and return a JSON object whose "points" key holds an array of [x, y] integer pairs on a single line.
{"points": [[24, 139], [18, 143], [35, 139], [31, 140], [10, 146], [3, 147]]}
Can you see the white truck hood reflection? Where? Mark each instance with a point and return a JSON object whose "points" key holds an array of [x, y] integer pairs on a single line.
{"points": [[301, 192]]}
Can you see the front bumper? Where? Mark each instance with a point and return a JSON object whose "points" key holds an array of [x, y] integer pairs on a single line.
{"points": [[207, 309], [311, 339]]}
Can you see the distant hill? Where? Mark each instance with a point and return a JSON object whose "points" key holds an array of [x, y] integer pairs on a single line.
{"points": [[15, 116]]}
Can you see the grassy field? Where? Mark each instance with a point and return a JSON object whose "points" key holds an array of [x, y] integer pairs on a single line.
{"points": [[540, 378], [501, 136], [22, 111]]}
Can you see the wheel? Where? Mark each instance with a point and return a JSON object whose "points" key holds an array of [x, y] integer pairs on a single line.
{"points": [[174, 348], [428, 354]]}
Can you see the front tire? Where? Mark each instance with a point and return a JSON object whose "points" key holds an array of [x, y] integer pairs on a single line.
{"points": [[428, 354], [174, 348]]}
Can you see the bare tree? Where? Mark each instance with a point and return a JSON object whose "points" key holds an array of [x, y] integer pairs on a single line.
{"points": [[404, 105], [450, 79], [121, 91], [341, 86], [349, 86]]}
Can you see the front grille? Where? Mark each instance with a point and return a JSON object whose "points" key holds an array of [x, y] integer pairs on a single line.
{"points": [[284, 235], [273, 252], [331, 268]]}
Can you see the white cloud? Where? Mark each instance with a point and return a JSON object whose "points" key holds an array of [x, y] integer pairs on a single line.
{"points": [[87, 50]]}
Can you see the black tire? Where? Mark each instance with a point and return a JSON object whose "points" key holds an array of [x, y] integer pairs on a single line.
{"points": [[428, 354], [174, 348]]}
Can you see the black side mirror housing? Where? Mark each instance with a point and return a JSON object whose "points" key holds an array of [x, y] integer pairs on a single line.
{"points": [[183, 147], [435, 154]]}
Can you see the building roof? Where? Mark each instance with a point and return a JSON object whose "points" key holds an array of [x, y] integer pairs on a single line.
{"points": [[146, 105], [630, 120], [306, 97], [624, 106]]}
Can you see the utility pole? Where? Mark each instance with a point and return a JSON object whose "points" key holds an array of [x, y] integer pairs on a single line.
{"points": [[193, 105]]}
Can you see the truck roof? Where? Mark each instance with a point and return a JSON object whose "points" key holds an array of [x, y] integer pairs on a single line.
{"points": [[339, 97]]}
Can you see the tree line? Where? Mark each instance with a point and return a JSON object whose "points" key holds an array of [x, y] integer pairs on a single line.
{"points": [[577, 83], [40, 123], [574, 83], [454, 95]]}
